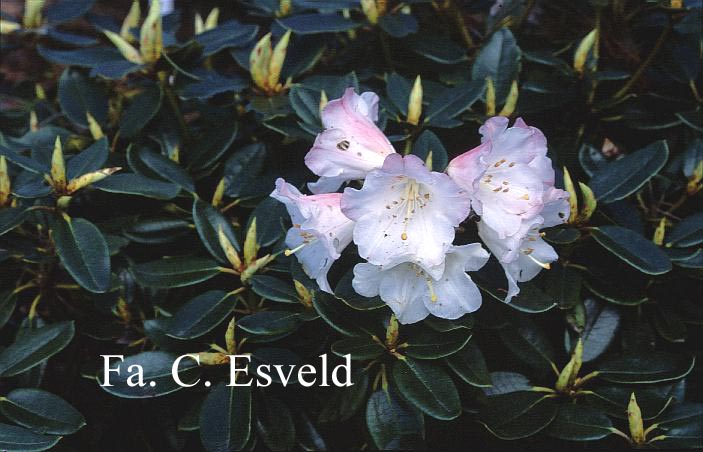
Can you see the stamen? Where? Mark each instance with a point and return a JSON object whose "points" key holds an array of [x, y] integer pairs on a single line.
{"points": [[433, 295], [296, 249], [541, 264]]}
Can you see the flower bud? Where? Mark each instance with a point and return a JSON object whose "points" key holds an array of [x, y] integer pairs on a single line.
{"points": [[634, 419], [259, 60], [32, 13], [490, 97], [90, 178], [251, 247], [151, 36], [7, 27], [58, 168], [584, 48], [589, 201], [5, 187], [230, 341], [659, 233], [131, 21], [95, 130], [415, 102], [126, 49], [284, 8], [219, 193], [303, 292], [228, 248], [370, 10], [277, 58], [573, 200], [392, 331], [212, 19], [511, 101]]}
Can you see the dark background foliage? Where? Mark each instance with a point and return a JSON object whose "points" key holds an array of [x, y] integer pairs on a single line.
{"points": [[141, 262]]}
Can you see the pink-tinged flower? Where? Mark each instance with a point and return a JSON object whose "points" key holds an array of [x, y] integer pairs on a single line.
{"points": [[405, 213], [413, 294], [524, 254], [351, 145], [507, 176], [320, 230]]}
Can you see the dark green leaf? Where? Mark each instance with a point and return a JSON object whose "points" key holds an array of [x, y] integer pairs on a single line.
{"points": [[243, 168], [175, 271], [88, 160], [507, 382], [136, 184], [389, 418], [274, 423], [688, 232], [437, 48], [651, 367], [428, 387], [269, 214], [34, 347], [469, 364], [312, 23], [13, 438], [273, 289], [430, 344], [208, 221], [453, 101], [428, 143], [359, 348], [144, 106], [83, 252], [579, 423], [498, 59], [632, 248], [398, 25], [517, 415], [528, 342], [79, 95], [225, 35], [625, 176], [10, 218], [201, 314], [270, 322], [41, 411], [166, 168]]}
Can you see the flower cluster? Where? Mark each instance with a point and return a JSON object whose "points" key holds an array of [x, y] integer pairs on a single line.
{"points": [[403, 218]]}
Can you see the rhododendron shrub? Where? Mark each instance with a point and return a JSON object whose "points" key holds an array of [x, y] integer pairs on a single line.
{"points": [[350, 225]]}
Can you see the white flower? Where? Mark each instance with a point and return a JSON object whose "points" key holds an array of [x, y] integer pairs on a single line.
{"points": [[507, 176], [413, 294], [405, 213], [351, 145], [320, 230], [524, 254]]}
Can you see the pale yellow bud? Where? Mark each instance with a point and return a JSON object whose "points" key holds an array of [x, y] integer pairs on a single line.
{"points": [[259, 60], [490, 97], [151, 34], [58, 168], [511, 101], [370, 10], [126, 49], [131, 21], [90, 178], [277, 59], [581, 54], [415, 102]]}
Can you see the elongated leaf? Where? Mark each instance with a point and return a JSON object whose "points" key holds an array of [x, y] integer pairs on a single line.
{"points": [[225, 418], [634, 249], [580, 423], [313, 23], [430, 344], [41, 411], [34, 347], [470, 365], [83, 252], [143, 108], [498, 59], [428, 387], [389, 419], [201, 314], [274, 423], [14, 438], [360, 348], [270, 322], [625, 176], [79, 95], [688, 232], [88, 160], [517, 415], [273, 289], [527, 341], [167, 168], [175, 271], [208, 222], [652, 367], [136, 184]]}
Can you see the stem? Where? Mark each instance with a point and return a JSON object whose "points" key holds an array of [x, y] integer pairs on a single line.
{"points": [[460, 24], [171, 97], [645, 64]]}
